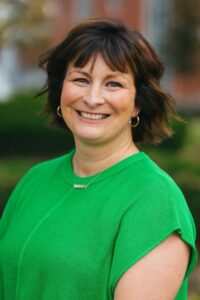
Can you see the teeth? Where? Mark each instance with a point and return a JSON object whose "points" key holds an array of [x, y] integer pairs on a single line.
{"points": [[92, 116]]}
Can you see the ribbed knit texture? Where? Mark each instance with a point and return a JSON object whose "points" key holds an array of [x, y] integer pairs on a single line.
{"points": [[61, 243]]}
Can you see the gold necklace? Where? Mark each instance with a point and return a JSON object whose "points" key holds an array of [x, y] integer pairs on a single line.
{"points": [[84, 186]]}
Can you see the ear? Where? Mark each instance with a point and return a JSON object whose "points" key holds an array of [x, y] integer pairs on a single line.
{"points": [[136, 111]]}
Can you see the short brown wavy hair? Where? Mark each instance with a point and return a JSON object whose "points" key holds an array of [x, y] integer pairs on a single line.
{"points": [[122, 48]]}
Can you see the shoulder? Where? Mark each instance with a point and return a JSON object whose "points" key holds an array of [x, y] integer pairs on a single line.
{"points": [[40, 175], [160, 195], [50, 164], [153, 183], [37, 177], [150, 170], [145, 169], [46, 168]]}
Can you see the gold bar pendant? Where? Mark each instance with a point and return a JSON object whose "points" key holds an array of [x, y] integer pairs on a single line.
{"points": [[80, 186]]}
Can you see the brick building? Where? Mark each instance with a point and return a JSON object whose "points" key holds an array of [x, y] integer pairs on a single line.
{"points": [[151, 17], [68, 12]]}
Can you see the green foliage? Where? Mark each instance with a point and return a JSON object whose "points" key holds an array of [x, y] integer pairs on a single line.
{"points": [[192, 196], [21, 109], [177, 141], [24, 131], [5, 192]]}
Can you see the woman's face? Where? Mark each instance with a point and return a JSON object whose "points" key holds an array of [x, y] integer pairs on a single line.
{"points": [[97, 102]]}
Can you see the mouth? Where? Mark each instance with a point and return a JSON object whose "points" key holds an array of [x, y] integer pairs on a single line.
{"points": [[92, 116]]}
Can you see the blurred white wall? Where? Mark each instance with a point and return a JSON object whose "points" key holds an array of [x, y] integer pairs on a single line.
{"points": [[9, 71], [14, 77]]}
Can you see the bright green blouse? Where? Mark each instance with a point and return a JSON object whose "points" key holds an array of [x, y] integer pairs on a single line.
{"points": [[61, 243]]}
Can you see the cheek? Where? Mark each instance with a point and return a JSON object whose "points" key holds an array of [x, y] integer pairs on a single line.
{"points": [[69, 94], [123, 102]]}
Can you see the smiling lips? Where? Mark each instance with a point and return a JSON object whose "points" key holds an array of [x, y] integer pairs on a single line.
{"points": [[92, 116]]}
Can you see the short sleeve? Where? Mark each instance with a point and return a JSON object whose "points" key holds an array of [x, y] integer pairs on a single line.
{"points": [[158, 211]]}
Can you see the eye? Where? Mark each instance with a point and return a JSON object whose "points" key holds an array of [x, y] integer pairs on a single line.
{"points": [[81, 80], [113, 84]]}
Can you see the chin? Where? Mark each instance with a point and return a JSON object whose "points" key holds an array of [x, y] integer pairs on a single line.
{"points": [[90, 138], [89, 135]]}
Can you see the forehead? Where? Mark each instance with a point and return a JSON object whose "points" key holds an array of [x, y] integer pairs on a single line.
{"points": [[96, 62]]}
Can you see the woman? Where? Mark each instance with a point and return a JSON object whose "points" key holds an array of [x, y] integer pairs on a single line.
{"points": [[104, 221]]}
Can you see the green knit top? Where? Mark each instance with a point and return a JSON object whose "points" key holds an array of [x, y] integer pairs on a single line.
{"points": [[61, 243]]}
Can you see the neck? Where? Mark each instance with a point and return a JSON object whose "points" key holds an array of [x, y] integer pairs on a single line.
{"points": [[89, 160]]}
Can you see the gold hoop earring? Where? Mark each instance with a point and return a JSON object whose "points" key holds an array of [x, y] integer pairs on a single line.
{"points": [[136, 123], [59, 113]]}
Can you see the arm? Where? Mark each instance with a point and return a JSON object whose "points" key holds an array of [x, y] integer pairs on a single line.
{"points": [[158, 275]]}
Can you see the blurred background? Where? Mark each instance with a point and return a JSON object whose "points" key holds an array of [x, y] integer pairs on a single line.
{"points": [[30, 27]]}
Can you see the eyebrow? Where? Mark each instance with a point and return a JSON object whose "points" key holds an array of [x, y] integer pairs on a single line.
{"points": [[87, 74], [79, 71]]}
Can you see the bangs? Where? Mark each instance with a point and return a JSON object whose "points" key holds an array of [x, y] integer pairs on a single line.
{"points": [[114, 52]]}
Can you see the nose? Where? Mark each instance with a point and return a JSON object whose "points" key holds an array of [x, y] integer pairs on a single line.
{"points": [[94, 97]]}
